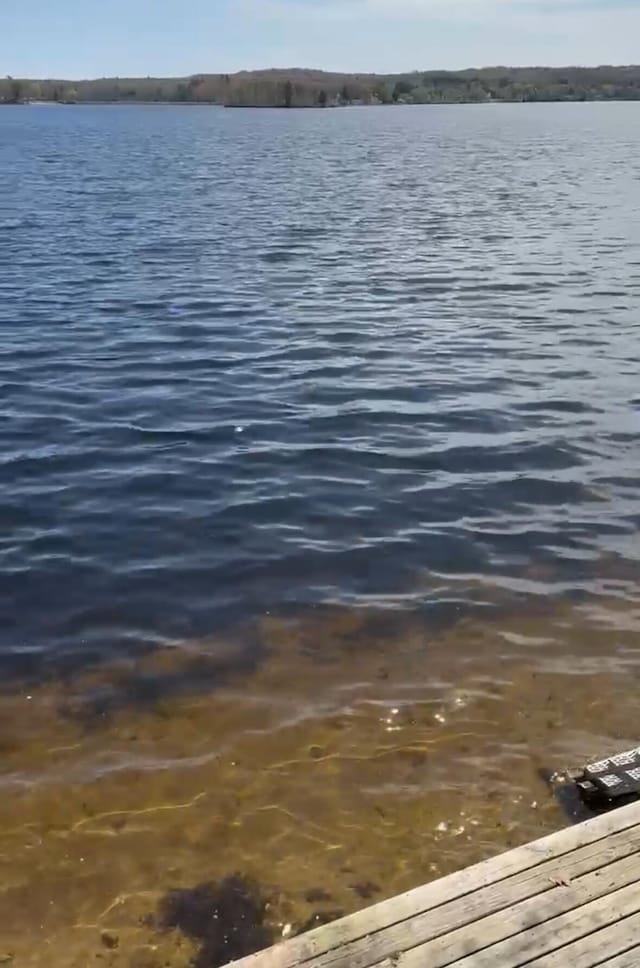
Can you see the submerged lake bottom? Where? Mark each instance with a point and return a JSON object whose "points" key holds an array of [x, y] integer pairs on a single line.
{"points": [[173, 809]]}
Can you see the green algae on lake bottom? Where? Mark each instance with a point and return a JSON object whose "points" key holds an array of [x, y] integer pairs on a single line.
{"points": [[366, 750], [227, 919]]}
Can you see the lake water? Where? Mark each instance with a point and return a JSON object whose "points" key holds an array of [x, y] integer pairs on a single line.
{"points": [[319, 500]]}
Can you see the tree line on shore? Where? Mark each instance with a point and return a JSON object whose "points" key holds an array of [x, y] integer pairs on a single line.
{"points": [[306, 88]]}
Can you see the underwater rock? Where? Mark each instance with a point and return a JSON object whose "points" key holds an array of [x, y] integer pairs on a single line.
{"points": [[317, 895], [366, 890], [109, 940]]}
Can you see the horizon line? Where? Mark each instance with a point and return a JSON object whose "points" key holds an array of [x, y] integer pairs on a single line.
{"points": [[322, 70]]}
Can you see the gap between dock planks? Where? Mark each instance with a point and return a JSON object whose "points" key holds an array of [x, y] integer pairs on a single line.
{"points": [[572, 898]]}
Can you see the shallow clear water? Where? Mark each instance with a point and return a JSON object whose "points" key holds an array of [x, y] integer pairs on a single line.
{"points": [[308, 417]]}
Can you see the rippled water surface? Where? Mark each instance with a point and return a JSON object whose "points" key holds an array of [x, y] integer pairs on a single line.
{"points": [[319, 468]]}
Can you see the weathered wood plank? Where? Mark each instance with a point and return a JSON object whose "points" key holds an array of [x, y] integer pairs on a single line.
{"points": [[458, 886], [509, 926], [533, 884], [454, 921], [599, 949], [630, 959], [552, 935]]}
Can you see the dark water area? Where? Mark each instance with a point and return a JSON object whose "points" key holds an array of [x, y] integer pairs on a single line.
{"points": [[319, 498], [252, 360]]}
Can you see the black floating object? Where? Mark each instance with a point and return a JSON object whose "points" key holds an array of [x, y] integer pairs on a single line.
{"points": [[611, 782]]}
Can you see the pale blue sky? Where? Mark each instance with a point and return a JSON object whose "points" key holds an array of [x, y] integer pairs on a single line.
{"points": [[89, 38]]}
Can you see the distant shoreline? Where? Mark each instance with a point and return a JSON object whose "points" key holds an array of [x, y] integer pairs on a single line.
{"points": [[74, 104], [303, 107], [300, 88]]}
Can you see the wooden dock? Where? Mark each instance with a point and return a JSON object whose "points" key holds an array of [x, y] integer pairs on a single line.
{"points": [[571, 900]]}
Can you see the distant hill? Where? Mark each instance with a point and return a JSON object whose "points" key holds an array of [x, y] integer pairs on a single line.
{"points": [[309, 88]]}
